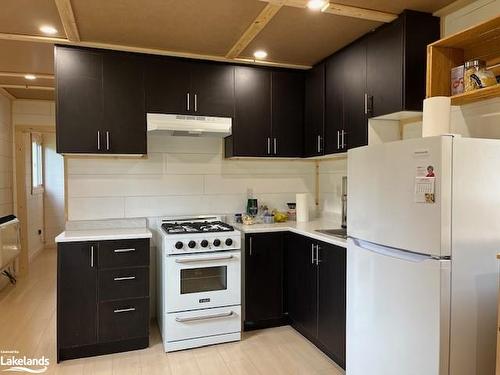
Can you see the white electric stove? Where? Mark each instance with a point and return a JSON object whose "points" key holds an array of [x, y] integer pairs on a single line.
{"points": [[199, 282]]}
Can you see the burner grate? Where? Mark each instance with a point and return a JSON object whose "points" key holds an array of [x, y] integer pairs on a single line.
{"points": [[196, 227]]}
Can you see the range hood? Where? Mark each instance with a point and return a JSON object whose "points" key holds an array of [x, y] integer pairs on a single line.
{"points": [[188, 125]]}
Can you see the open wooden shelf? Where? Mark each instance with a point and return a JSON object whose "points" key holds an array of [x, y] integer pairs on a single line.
{"points": [[476, 95], [478, 42]]}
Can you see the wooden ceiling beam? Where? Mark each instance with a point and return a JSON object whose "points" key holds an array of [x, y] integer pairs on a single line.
{"points": [[255, 28], [29, 87], [21, 75], [151, 51], [68, 19], [341, 10], [361, 13], [7, 94]]}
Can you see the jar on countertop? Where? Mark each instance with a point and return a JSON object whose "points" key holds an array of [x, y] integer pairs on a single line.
{"points": [[476, 76]]}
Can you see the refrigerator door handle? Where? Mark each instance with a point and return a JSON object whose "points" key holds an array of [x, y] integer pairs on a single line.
{"points": [[391, 252]]}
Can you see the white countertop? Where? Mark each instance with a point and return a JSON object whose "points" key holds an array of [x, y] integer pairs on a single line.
{"points": [[103, 234], [306, 229]]}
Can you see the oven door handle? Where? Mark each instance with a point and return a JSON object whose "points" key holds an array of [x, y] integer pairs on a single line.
{"points": [[204, 317], [203, 259]]}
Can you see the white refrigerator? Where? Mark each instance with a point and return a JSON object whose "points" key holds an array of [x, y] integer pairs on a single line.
{"points": [[424, 231]]}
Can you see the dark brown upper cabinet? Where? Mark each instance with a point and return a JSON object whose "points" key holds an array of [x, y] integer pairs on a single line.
{"points": [[188, 87], [314, 111], [396, 56], [99, 102], [79, 100], [124, 104], [287, 113], [213, 89], [335, 100], [167, 84], [346, 121], [252, 121], [268, 113], [379, 74]]}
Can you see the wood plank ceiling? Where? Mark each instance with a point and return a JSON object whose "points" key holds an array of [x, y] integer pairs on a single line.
{"points": [[292, 34]]}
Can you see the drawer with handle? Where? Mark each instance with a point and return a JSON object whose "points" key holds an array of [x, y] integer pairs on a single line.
{"points": [[201, 323], [124, 253], [123, 283], [124, 319]]}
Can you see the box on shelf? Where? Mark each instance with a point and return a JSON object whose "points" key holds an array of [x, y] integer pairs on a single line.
{"points": [[457, 80]]}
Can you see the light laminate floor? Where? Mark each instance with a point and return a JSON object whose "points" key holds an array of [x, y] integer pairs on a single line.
{"points": [[27, 324]]}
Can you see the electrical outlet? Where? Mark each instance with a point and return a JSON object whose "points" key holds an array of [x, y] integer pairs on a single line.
{"points": [[249, 193]]}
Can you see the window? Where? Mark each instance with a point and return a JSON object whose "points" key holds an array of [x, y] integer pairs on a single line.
{"points": [[36, 163]]}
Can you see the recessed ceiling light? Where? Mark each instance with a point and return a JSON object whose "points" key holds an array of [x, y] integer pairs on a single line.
{"points": [[31, 77], [46, 29], [316, 4], [260, 54]]}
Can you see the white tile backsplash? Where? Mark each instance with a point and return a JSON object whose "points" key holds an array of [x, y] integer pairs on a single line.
{"points": [[181, 176], [96, 208]]}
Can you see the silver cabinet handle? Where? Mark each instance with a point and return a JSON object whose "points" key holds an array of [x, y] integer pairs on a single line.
{"points": [[338, 140], [124, 278], [366, 103], [107, 140], [203, 259], [123, 250], [318, 261], [205, 317], [196, 102], [187, 101], [268, 145], [92, 256], [98, 140], [319, 143], [312, 254], [275, 146], [343, 143], [251, 247], [118, 311]]}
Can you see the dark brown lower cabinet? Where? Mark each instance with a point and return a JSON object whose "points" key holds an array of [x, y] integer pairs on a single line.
{"points": [[264, 305], [316, 293], [102, 297]]}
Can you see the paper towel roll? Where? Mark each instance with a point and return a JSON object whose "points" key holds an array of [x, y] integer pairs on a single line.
{"points": [[302, 207], [436, 120]]}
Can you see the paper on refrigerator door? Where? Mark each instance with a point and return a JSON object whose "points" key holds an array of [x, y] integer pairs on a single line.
{"points": [[424, 190]]}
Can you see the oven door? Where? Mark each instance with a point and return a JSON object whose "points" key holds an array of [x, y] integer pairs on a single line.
{"points": [[199, 281]]}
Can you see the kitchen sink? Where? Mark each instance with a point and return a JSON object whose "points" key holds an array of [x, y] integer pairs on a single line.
{"points": [[341, 232]]}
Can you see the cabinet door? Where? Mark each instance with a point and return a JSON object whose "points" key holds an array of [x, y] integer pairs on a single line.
{"points": [[335, 82], [288, 113], [167, 84], [124, 104], [252, 122], [355, 118], [301, 285], [385, 69], [263, 277], [79, 97], [314, 111], [76, 294], [212, 87], [332, 301]]}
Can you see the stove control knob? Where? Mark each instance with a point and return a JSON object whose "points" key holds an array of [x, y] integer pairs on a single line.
{"points": [[179, 245], [204, 243], [191, 244], [229, 242], [217, 242]]}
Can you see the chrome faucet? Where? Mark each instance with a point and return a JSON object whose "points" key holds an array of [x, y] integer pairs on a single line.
{"points": [[344, 202]]}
